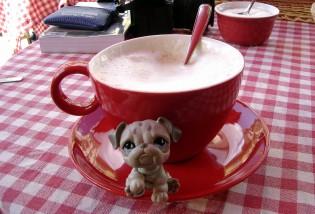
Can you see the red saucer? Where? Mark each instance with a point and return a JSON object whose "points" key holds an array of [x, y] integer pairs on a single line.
{"points": [[235, 153]]}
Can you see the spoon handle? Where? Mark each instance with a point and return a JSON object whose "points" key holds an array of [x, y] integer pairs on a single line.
{"points": [[11, 79], [250, 6], [200, 25]]}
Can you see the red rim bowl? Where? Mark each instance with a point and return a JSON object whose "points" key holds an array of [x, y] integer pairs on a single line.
{"points": [[242, 29]]}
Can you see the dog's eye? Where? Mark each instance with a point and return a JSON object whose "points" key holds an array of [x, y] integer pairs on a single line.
{"points": [[160, 141], [129, 145]]}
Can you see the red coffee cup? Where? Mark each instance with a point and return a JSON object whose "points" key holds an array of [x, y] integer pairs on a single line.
{"points": [[198, 112], [248, 30]]}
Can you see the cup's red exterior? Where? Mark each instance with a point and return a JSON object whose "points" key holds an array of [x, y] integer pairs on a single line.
{"points": [[247, 31], [200, 114]]}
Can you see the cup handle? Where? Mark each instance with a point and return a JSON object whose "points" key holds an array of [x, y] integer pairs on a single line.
{"points": [[62, 100]]}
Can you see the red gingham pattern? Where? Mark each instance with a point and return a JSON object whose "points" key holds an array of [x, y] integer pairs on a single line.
{"points": [[1, 16], [36, 173], [20, 16]]}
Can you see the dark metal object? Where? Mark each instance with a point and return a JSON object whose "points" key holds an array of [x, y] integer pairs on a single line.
{"points": [[149, 17], [185, 12]]}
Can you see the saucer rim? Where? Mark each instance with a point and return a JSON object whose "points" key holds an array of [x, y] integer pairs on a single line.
{"points": [[228, 182]]}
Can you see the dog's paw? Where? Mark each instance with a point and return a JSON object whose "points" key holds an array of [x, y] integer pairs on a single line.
{"points": [[173, 185], [136, 188], [127, 191], [159, 197]]}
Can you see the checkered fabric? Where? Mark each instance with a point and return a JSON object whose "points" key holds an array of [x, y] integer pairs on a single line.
{"points": [[1, 16], [37, 175], [26, 14], [20, 16]]}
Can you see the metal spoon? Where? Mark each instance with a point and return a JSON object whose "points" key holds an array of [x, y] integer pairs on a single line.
{"points": [[11, 79], [247, 10], [200, 25]]}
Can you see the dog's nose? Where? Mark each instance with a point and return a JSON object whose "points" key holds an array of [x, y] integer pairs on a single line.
{"points": [[143, 145]]}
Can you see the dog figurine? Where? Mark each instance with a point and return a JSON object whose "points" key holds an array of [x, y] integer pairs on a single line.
{"points": [[145, 146]]}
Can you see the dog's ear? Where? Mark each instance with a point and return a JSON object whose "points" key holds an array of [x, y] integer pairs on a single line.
{"points": [[174, 132], [114, 137]]}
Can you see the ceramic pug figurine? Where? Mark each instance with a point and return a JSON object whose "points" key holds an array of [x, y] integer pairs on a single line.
{"points": [[145, 146]]}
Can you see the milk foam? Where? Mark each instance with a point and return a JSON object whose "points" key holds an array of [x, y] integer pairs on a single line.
{"points": [[255, 12], [158, 66], [259, 10]]}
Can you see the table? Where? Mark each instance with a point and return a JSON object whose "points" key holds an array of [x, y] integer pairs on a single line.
{"points": [[36, 173]]}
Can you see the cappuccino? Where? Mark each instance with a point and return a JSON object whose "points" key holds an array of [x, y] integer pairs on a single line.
{"points": [[156, 64], [255, 12]]}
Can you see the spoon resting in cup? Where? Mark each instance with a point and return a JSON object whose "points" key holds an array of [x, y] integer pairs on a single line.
{"points": [[200, 25], [247, 10]]}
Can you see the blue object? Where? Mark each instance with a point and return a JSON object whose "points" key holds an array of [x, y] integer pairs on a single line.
{"points": [[84, 18]]}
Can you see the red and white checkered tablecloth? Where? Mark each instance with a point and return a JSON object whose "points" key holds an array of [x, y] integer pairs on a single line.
{"points": [[37, 175], [21, 16], [24, 15], [27, 14]]}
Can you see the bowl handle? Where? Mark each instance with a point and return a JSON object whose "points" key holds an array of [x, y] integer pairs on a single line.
{"points": [[62, 100]]}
